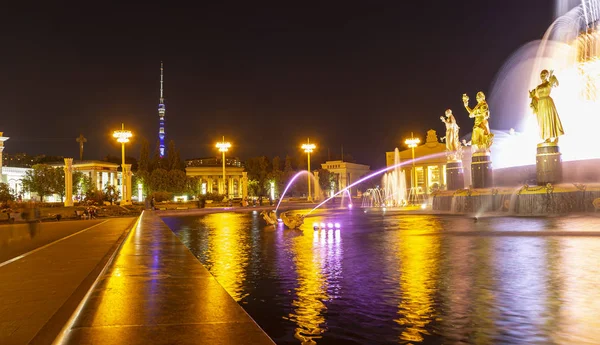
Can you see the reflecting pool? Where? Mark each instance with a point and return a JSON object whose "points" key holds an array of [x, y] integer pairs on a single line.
{"points": [[389, 278]]}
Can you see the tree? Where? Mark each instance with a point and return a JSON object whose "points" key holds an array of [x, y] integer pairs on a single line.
{"points": [[58, 182], [81, 182], [144, 162], [5, 194], [288, 169], [276, 163], [159, 180], [193, 186], [39, 180], [325, 179], [156, 162], [177, 182], [111, 193], [258, 170], [173, 159]]}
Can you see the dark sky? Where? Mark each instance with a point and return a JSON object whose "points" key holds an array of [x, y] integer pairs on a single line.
{"points": [[265, 75]]}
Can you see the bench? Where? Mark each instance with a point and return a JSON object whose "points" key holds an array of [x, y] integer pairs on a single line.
{"points": [[596, 204]]}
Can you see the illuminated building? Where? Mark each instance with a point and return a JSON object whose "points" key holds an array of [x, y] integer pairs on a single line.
{"points": [[209, 170], [161, 116], [430, 173], [346, 173]]}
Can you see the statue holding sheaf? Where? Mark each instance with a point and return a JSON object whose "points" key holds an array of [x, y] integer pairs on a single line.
{"points": [[481, 138], [543, 107]]}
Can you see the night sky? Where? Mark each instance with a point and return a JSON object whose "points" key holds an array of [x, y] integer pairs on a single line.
{"points": [[265, 75]]}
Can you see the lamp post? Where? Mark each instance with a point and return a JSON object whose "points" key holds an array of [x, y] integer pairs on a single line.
{"points": [[123, 136], [412, 142], [308, 148], [223, 147]]}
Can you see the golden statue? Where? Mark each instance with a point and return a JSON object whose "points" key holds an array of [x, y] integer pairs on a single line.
{"points": [[543, 106], [453, 146], [481, 138]]}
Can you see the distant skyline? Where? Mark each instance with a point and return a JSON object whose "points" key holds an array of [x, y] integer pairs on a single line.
{"points": [[362, 76]]}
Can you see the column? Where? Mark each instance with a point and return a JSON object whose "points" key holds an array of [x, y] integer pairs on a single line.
{"points": [[230, 187], [244, 185], [95, 179], [2, 140], [68, 182], [126, 187], [317, 194]]}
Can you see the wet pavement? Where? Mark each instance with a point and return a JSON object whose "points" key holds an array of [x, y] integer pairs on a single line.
{"points": [[17, 239], [46, 265], [156, 291]]}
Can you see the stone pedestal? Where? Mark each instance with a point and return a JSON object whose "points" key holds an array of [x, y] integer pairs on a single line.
{"points": [[455, 175], [68, 182], [548, 164], [481, 170], [126, 180]]}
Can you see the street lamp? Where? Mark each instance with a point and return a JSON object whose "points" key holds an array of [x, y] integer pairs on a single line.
{"points": [[223, 146], [412, 142], [308, 148], [123, 136]]}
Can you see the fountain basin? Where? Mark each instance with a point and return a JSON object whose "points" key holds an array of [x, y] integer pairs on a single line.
{"points": [[525, 200]]}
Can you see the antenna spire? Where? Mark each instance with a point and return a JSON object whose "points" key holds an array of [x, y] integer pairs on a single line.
{"points": [[161, 83]]}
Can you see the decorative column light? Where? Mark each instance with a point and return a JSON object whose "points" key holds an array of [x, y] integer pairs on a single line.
{"points": [[412, 142], [308, 148], [223, 147], [68, 182], [122, 137]]}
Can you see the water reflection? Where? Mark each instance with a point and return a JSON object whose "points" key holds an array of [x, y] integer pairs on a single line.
{"points": [[418, 262], [394, 278], [317, 260], [228, 249]]}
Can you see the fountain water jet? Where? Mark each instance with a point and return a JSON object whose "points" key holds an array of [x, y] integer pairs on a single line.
{"points": [[376, 173]]}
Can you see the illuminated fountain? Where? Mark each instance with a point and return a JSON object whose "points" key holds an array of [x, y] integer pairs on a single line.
{"points": [[373, 197], [394, 184], [393, 192], [571, 49]]}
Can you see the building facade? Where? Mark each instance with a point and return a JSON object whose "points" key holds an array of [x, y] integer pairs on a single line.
{"points": [[210, 172], [430, 167], [345, 173]]}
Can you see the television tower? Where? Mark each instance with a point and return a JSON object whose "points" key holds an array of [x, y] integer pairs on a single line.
{"points": [[161, 116]]}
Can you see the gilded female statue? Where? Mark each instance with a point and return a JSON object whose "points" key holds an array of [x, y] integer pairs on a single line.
{"points": [[452, 140], [543, 106], [482, 138]]}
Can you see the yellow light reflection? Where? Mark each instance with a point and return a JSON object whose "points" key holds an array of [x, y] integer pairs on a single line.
{"points": [[227, 255], [309, 306], [580, 303], [418, 260]]}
